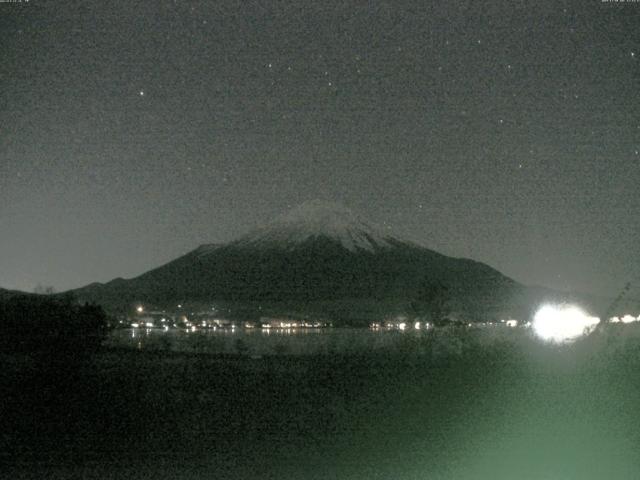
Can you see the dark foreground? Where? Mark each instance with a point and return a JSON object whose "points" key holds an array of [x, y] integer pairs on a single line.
{"points": [[512, 409]]}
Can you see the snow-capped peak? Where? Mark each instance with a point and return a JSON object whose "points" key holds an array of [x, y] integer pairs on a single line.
{"points": [[315, 219]]}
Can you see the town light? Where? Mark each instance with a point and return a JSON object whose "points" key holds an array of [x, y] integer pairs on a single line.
{"points": [[562, 323], [628, 319], [140, 309]]}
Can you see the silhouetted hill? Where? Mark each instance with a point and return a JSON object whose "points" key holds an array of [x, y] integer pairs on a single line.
{"points": [[49, 325]]}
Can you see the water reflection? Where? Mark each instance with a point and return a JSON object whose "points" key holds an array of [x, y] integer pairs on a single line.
{"points": [[257, 341], [304, 341]]}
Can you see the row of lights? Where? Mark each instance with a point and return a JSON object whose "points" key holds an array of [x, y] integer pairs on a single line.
{"points": [[553, 323]]}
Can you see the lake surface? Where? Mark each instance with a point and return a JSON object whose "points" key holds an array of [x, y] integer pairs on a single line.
{"points": [[306, 341]]}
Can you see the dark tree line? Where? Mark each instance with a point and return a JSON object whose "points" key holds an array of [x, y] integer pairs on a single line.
{"points": [[50, 325]]}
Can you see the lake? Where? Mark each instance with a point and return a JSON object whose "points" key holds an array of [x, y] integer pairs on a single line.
{"points": [[310, 341]]}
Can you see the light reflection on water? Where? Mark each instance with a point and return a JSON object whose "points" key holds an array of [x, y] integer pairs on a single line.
{"points": [[294, 341]]}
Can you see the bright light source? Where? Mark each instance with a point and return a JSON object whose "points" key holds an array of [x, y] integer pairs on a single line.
{"points": [[140, 309], [512, 323], [402, 326], [628, 319], [562, 323]]}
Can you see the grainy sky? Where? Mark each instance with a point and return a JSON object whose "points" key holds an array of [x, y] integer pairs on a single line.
{"points": [[507, 132]]}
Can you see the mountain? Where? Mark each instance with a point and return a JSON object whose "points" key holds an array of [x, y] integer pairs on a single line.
{"points": [[322, 258]]}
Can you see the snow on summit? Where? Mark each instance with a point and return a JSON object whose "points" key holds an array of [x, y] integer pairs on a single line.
{"points": [[315, 219]]}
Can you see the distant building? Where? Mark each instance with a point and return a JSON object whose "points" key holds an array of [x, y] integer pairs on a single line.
{"points": [[152, 320]]}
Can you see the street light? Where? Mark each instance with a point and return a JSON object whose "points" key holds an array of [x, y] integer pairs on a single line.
{"points": [[562, 323]]}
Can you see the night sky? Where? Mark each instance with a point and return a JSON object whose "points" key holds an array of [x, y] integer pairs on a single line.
{"points": [[507, 132]]}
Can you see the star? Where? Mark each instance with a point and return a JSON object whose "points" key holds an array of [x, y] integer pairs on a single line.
{"points": [[141, 93]]}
